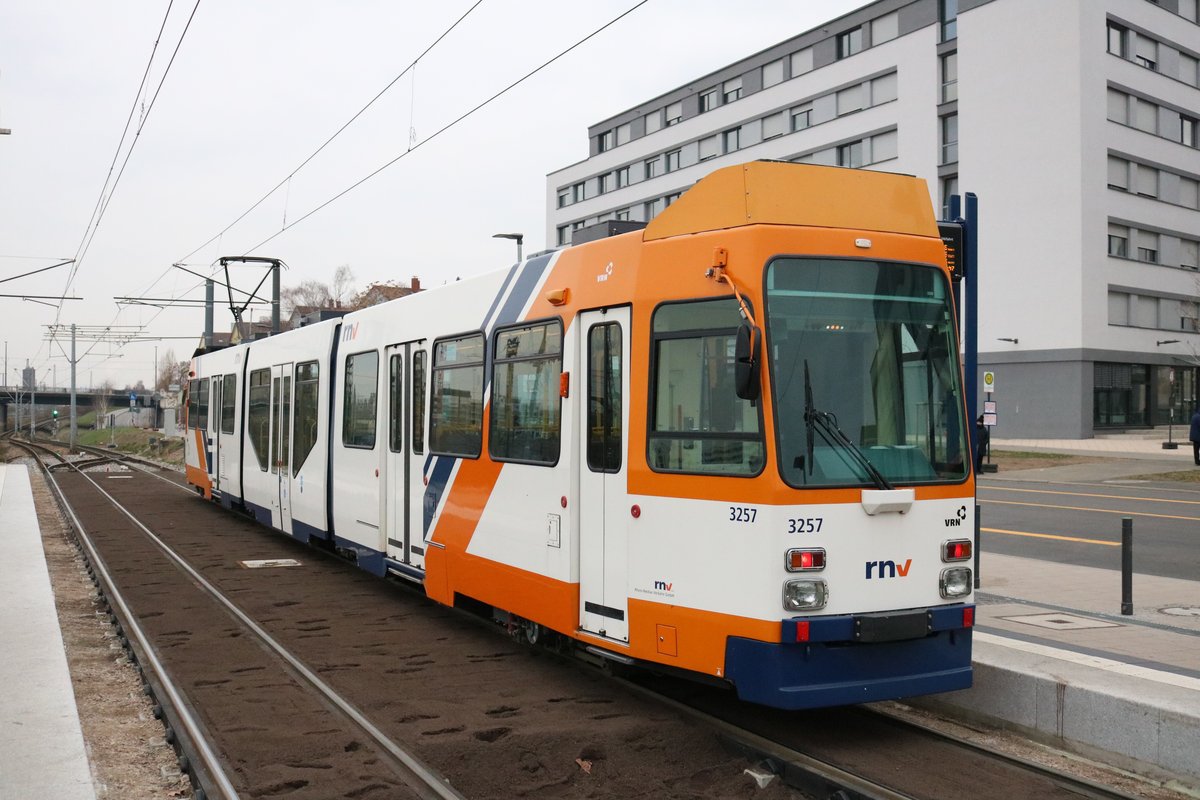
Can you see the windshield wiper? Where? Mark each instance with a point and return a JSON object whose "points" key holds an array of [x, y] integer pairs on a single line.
{"points": [[825, 423]]}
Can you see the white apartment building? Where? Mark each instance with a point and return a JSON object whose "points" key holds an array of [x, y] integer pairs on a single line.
{"points": [[1074, 121]]}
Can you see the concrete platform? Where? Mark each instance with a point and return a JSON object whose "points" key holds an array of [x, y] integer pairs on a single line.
{"points": [[42, 754]]}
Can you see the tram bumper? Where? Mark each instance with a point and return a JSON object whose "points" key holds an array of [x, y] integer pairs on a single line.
{"points": [[847, 659]]}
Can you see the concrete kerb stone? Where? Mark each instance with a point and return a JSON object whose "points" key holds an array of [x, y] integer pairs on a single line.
{"points": [[1139, 726]]}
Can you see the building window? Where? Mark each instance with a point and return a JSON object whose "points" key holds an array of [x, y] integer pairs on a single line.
{"points": [[671, 198], [731, 90], [1147, 53], [1189, 129], [651, 168], [698, 423], [604, 183], [456, 409], [772, 73], [949, 139], [774, 125], [674, 113], [1147, 181], [948, 16], [579, 192], [885, 28], [672, 160], [709, 147], [653, 120], [949, 189], [1189, 10], [1146, 116], [1118, 241], [850, 99], [621, 214], [708, 100], [1118, 106], [1118, 173], [1147, 247], [606, 141], [564, 197], [732, 140], [949, 77], [850, 155], [653, 208], [526, 407], [1189, 69], [849, 43], [1117, 36], [622, 177], [359, 403], [1189, 193], [884, 146], [883, 90], [1189, 254], [564, 235], [1118, 308], [801, 118], [624, 133], [802, 61]]}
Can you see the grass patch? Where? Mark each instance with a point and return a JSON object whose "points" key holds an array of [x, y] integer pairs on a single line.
{"points": [[1010, 460], [1183, 476], [135, 441], [1027, 454]]}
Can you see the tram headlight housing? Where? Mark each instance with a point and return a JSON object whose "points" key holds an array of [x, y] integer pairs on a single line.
{"points": [[805, 595], [955, 582]]}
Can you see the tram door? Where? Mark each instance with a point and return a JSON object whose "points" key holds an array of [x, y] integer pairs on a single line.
{"points": [[281, 430], [603, 506], [216, 409], [404, 454]]}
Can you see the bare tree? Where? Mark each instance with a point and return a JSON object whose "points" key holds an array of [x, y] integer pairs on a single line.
{"points": [[172, 372], [309, 293], [103, 394], [343, 284]]}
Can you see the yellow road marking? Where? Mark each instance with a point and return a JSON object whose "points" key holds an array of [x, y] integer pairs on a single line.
{"points": [[1087, 494], [1052, 536], [1096, 510]]}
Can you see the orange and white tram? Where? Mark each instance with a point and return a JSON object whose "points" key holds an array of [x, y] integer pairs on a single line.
{"points": [[731, 443]]}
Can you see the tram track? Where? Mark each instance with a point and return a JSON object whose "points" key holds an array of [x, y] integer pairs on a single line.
{"points": [[197, 746]]}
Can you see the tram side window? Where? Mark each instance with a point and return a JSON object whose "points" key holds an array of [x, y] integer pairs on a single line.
{"points": [[360, 403], [456, 410], [698, 423], [418, 402], [526, 408], [202, 406], [304, 424], [395, 417], [193, 403], [604, 398], [228, 402], [258, 419]]}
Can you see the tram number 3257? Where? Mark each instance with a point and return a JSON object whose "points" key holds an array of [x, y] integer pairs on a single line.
{"points": [[742, 514], [805, 525]]}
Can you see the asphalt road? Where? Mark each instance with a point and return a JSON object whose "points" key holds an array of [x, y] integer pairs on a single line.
{"points": [[1079, 522]]}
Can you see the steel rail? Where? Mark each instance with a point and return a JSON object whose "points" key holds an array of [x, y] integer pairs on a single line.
{"points": [[420, 777], [181, 710]]}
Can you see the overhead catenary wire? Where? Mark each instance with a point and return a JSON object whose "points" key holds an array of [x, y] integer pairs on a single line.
{"points": [[453, 123], [411, 67]]}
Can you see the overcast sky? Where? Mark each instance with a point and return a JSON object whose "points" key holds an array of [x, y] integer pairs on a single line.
{"points": [[254, 89]]}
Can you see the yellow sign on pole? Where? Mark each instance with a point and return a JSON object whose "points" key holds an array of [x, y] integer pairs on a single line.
{"points": [[989, 382]]}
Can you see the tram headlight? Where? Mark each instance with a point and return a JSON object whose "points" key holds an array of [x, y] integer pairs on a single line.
{"points": [[805, 595], [955, 582]]}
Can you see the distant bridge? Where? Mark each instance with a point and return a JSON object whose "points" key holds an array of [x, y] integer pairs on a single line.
{"points": [[61, 399]]}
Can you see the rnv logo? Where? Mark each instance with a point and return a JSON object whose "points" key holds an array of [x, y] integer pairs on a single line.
{"points": [[888, 569]]}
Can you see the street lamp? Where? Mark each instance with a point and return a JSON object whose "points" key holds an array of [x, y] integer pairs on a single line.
{"points": [[519, 238], [1161, 342]]}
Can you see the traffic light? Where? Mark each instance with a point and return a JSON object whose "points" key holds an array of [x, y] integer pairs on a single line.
{"points": [[54, 413]]}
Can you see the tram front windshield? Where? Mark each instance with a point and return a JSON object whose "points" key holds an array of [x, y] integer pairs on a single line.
{"points": [[864, 367]]}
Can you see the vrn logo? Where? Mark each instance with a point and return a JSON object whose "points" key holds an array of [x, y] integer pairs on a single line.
{"points": [[887, 569], [957, 519], [663, 586]]}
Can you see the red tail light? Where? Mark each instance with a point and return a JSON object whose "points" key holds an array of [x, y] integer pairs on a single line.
{"points": [[809, 560], [802, 630], [956, 550], [968, 618]]}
